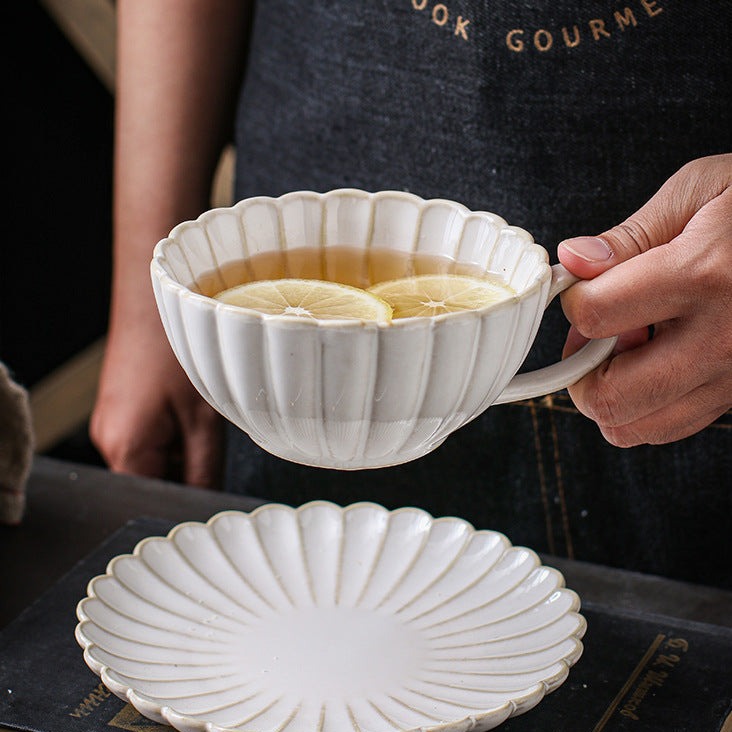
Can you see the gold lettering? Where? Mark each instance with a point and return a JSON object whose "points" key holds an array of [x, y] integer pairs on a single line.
{"points": [[439, 14], [597, 27], [653, 678], [575, 41], [650, 7], [678, 643], [128, 718], [89, 703], [543, 40], [419, 4], [625, 19], [667, 660], [514, 43], [460, 27]]}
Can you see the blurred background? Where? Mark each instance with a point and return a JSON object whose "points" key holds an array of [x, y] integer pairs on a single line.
{"points": [[55, 269]]}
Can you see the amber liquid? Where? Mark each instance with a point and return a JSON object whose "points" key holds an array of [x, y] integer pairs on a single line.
{"points": [[348, 265]]}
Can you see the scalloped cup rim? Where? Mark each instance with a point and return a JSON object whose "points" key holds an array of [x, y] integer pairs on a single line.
{"points": [[333, 193], [184, 291]]}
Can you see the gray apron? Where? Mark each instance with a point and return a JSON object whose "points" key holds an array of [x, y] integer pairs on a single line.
{"points": [[563, 118]]}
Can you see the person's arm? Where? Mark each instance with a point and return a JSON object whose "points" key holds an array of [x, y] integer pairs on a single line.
{"points": [[669, 266], [179, 65]]}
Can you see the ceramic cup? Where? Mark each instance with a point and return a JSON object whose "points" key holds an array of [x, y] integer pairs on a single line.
{"points": [[352, 395]]}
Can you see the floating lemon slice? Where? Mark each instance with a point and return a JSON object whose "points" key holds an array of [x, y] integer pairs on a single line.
{"points": [[430, 295], [314, 299]]}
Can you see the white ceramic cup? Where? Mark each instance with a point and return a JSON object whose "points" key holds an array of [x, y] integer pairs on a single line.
{"points": [[352, 395]]}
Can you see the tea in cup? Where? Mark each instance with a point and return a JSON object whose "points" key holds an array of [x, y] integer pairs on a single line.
{"points": [[357, 393]]}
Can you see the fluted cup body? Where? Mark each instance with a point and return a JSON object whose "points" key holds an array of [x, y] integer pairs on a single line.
{"points": [[345, 394]]}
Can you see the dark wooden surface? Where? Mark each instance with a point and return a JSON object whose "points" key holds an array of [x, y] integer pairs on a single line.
{"points": [[72, 508]]}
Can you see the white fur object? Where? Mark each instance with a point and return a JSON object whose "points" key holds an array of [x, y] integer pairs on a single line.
{"points": [[16, 447]]}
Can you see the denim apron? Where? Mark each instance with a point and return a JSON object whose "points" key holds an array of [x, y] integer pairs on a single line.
{"points": [[562, 117]]}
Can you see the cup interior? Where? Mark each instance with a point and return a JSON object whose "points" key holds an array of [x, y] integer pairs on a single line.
{"points": [[211, 253]]}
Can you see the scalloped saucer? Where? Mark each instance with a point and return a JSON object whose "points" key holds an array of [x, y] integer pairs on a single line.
{"points": [[330, 619]]}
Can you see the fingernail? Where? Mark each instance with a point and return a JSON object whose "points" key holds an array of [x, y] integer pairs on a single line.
{"points": [[589, 248]]}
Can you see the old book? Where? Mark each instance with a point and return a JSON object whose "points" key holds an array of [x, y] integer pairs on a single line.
{"points": [[639, 673]]}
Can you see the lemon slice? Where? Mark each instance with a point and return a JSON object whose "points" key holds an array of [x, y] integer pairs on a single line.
{"points": [[314, 299], [437, 294]]}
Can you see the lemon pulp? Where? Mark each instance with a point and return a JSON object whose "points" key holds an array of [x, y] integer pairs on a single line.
{"points": [[436, 294], [306, 298]]}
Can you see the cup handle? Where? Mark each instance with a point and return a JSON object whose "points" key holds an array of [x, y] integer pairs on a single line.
{"points": [[564, 373]]}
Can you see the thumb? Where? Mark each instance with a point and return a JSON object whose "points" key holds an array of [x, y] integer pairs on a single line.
{"points": [[586, 256], [589, 256], [657, 222]]}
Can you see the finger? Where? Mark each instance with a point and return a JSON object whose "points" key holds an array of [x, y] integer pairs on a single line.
{"points": [[641, 381], [682, 419], [131, 445], [148, 461], [203, 442], [586, 256], [626, 341], [657, 222], [631, 340], [590, 256], [575, 341], [634, 294]]}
